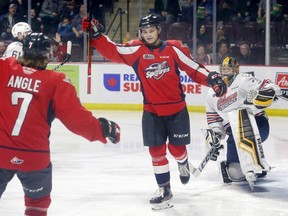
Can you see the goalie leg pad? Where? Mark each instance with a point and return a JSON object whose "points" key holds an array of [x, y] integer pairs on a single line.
{"points": [[248, 142], [231, 172]]}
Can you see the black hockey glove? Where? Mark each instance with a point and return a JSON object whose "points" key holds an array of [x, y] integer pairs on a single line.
{"points": [[214, 140], [110, 130], [217, 84], [96, 27]]}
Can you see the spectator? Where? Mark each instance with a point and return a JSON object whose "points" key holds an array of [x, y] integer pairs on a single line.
{"points": [[65, 30], [246, 10], [201, 56], [186, 7], [245, 57], [2, 48], [36, 23], [50, 16], [8, 21], [70, 10], [202, 35], [226, 12], [221, 35], [167, 12], [21, 6], [223, 52], [58, 51], [262, 7], [77, 25], [207, 5]]}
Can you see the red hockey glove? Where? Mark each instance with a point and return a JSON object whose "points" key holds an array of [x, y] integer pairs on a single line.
{"points": [[95, 26], [217, 84], [110, 130]]}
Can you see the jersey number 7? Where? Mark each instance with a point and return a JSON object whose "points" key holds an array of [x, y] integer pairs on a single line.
{"points": [[27, 97]]}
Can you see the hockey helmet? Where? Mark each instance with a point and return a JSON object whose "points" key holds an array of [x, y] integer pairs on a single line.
{"points": [[36, 45], [21, 27], [149, 20], [229, 69]]}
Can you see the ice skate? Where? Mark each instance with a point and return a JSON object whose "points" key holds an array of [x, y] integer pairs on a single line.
{"points": [[162, 199], [184, 173], [251, 179]]}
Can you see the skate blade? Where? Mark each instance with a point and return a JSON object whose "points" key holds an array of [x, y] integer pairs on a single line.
{"points": [[251, 179], [162, 206]]}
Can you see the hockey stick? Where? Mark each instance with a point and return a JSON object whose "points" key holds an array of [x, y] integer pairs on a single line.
{"points": [[197, 171], [89, 52], [68, 55]]}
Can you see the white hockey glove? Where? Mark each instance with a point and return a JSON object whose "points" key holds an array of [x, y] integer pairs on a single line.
{"points": [[213, 139], [110, 130]]}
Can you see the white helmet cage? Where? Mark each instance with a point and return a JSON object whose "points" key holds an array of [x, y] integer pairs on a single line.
{"points": [[21, 27]]}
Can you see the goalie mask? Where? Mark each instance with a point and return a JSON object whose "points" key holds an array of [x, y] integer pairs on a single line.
{"points": [[229, 69]]}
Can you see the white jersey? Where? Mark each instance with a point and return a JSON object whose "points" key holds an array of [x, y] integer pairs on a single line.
{"points": [[236, 98], [14, 49]]}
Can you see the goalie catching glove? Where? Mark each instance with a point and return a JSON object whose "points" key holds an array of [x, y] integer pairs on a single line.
{"points": [[110, 130], [96, 28], [213, 139], [217, 84], [264, 98]]}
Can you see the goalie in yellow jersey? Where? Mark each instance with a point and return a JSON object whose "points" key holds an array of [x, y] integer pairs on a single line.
{"points": [[240, 116]]}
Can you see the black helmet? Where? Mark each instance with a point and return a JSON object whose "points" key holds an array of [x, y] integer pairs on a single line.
{"points": [[149, 20], [36, 45]]}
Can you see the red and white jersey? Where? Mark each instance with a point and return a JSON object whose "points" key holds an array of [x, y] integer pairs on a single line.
{"points": [[14, 49], [244, 85], [30, 100], [157, 70]]}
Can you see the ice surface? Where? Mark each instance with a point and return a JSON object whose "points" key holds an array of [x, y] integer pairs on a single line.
{"points": [[92, 179]]}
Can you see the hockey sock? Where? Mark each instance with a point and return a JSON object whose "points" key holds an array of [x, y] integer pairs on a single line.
{"points": [[179, 153], [160, 164], [37, 207]]}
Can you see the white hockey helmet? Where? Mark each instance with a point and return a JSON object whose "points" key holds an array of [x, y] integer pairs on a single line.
{"points": [[21, 27]]}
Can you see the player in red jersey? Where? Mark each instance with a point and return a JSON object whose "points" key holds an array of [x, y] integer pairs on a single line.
{"points": [[31, 97], [157, 64]]}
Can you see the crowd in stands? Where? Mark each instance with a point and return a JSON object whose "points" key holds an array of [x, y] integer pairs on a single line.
{"points": [[240, 24], [59, 19], [240, 27]]}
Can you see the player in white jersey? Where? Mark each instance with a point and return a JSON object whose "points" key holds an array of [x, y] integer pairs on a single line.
{"points": [[240, 115], [19, 31]]}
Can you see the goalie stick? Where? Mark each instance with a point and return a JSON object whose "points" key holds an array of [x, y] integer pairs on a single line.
{"points": [[197, 171], [68, 55]]}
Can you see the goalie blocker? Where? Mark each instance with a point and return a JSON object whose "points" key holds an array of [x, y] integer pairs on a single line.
{"points": [[249, 147]]}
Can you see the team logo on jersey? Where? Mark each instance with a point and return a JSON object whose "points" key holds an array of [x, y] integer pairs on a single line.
{"points": [[157, 70], [16, 160], [282, 82], [112, 82], [148, 56], [224, 102]]}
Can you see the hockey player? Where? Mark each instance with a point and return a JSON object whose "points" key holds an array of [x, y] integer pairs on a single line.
{"points": [[240, 115], [19, 31], [31, 97], [165, 120]]}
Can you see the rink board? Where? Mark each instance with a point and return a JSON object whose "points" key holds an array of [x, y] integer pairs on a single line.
{"points": [[116, 86]]}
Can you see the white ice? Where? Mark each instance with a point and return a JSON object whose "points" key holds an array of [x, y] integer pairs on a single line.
{"points": [[92, 179]]}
